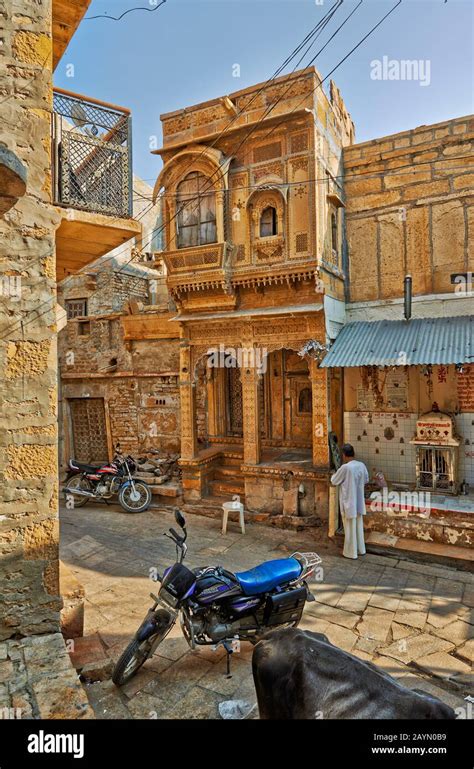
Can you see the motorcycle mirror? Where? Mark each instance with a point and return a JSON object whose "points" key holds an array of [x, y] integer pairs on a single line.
{"points": [[179, 518]]}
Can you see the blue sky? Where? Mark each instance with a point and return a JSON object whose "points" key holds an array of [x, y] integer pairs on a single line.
{"points": [[184, 53]]}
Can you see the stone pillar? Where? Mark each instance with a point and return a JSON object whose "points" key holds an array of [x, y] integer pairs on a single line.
{"points": [[250, 378], [319, 387], [188, 404], [220, 228]]}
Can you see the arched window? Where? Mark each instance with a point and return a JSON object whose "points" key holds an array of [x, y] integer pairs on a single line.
{"points": [[196, 209], [268, 222]]}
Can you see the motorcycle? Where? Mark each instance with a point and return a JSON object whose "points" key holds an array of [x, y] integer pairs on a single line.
{"points": [[215, 606], [86, 482]]}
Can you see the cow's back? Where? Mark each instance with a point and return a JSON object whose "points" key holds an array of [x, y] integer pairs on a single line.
{"points": [[300, 674]]}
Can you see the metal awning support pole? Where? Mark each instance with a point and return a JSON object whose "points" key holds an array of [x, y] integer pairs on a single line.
{"points": [[407, 294], [333, 510]]}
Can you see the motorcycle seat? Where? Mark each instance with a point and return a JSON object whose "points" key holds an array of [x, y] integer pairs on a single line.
{"points": [[268, 575], [75, 465]]}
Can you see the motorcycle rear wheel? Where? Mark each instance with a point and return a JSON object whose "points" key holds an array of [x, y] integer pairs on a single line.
{"points": [[140, 505], [77, 482]]}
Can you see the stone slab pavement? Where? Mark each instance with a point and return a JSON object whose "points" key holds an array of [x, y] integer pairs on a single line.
{"points": [[414, 621]]}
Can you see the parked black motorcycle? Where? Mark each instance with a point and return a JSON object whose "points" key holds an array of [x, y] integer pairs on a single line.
{"points": [[86, 482], [216, 606]]}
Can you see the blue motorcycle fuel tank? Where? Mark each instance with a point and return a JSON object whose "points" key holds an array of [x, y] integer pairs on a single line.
{"points": [[214, 585]]}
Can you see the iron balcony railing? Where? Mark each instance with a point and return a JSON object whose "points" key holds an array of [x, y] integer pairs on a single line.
{"points": [[92, 162]]}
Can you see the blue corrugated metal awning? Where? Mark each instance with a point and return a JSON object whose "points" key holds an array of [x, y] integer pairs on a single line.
{"points": [[404, 343]]}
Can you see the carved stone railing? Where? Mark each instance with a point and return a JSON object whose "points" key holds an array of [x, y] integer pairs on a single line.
{"points": [[212, 256]]}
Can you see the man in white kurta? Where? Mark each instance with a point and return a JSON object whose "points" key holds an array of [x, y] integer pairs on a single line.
{"points": [[351, 479]]}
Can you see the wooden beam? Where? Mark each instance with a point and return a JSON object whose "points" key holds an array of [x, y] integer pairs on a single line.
{"points": [[66, 17], [150, 327]]}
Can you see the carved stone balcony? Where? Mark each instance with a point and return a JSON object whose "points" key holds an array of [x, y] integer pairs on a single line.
{"points": [[198, 268]]}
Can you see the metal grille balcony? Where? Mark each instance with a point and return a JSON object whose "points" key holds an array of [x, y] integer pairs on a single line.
{"points": [[91, 155]]}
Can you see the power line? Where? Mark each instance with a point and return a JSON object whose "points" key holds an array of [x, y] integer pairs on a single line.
{"points": [[314, 180], [308, 37], [286, 116], [320, 26], [161, 228], [130, 10], [370, 32]]}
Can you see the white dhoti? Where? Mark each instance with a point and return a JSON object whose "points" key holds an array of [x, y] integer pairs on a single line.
{"points": [[353, 536]]}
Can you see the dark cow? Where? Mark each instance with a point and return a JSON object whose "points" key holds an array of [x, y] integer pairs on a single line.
{"points": [[299, 674]]}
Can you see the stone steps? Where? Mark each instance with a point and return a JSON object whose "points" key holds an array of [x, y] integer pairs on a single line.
{"points": [[418, 550], [226, 488], [211, 507], [231, 461], [452, 528], [223, 472]]}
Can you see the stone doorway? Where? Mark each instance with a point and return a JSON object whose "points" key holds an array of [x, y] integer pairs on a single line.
{"points": [[286, 401]]}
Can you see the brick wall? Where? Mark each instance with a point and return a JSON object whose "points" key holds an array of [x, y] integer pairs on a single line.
{"points": [[107, 289], [142, 412]]}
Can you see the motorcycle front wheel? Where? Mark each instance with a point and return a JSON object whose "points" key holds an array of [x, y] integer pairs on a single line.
{"points": [[78, 482], [135, 501], [135, 655]]}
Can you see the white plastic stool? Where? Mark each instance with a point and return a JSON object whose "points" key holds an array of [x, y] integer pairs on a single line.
{"points": [[226, 506]]}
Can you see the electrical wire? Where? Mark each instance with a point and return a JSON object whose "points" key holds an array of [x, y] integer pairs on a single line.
{"points": [[161, 228], [308, 37], [130, 10]]}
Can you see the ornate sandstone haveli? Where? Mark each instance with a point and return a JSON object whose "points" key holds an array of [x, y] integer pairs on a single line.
{"points": [[246, 228]]}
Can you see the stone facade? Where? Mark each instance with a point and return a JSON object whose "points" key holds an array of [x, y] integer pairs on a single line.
{"points": [[37, 680], [410, 205], [410, 209], [132, 380], [33, 36], [28, 421]]}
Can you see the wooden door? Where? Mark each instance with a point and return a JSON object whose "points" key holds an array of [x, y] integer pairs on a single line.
{"points": [[89, 432], [234, 418], [298, 409]]}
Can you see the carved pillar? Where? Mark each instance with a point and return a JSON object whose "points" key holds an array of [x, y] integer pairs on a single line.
{"points": [[188, 404], [211, 402], [250, 414], [319, 387], [220, 228]]}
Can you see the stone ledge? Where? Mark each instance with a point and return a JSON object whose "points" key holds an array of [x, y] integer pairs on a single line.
{"points": [[39, 681]]}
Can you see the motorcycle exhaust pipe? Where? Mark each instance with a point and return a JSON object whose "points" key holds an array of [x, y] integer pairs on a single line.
{"points": [[79, 492]]}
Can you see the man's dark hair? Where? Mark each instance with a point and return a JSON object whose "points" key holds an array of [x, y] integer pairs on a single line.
{"points": [[348, 450]]}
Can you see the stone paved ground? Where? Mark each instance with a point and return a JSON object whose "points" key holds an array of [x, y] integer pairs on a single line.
{"points": [[414, 621]]}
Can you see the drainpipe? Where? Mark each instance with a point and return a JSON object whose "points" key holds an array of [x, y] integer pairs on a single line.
{"points": [[407, 294]]}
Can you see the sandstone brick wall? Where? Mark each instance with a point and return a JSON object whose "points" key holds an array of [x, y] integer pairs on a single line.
{"points": [[107, 290], [410, 209], [29, 598], [92, 346], [142, 412], [140, 391]]}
